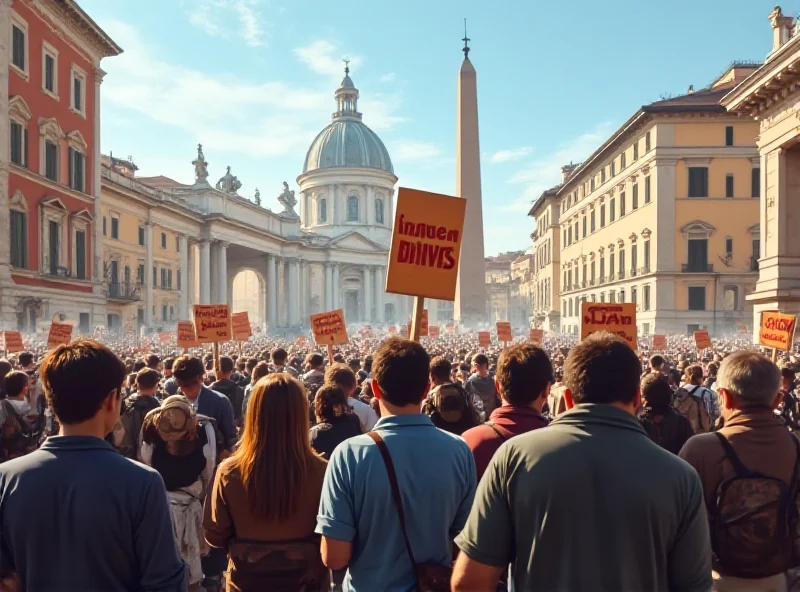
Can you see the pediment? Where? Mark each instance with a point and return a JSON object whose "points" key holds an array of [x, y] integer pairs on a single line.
{"points": [[84, 214], [55, 203], [357, 242]]}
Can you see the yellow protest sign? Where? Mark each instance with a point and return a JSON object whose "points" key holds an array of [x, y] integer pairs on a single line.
{"points": [[241, 326], [212, 323], [537, 336], [186, 335], [12, 342], [426, 244], [659, 343], [484, 339], [329, 328], [777, 330], [504, 332], [619, 319], [60, 334], [702, 340]]}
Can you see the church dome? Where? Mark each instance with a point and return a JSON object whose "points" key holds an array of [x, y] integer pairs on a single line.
{"points": [[347, 141]]}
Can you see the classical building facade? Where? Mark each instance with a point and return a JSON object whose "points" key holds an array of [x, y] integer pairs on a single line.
{"points": [[545, 272], [771, 95], [506, 300], [663, 214], [50, 54]]}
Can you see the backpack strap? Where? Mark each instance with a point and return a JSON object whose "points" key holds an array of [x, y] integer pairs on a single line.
{"points": [[398, 502], [730, 454], [496, 431]]}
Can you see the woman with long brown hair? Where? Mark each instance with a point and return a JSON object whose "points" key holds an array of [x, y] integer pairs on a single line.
{"points": [[263, 505]]}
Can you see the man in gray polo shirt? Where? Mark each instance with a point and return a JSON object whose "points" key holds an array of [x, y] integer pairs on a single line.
{"points": [[75, 514], [590, 502]]}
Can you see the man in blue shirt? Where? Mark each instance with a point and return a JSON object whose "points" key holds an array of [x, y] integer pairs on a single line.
{"points": [[75, 515], [358, 519]]}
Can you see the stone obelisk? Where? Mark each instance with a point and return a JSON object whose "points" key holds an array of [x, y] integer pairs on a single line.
{"points": [[470, 304]]}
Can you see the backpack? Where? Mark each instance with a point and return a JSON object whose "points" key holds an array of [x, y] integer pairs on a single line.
{"points": [[753, 520], [312, 384], [693, 409], [127, 430], [449, 409], [17, 436], [235, 395]]}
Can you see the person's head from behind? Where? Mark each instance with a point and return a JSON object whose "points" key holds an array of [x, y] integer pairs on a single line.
{"points": [[260, 371], [330, 403], [274, 453], [713, 368], [747, 380], [656, 363], [603, 369], [656, 392], [368, 364], [674, 378], [524, 375], [693, 374], [26, 359], [225, 368], [147, 381], [17, 384], [440, 370], [279, 356], [400, 374], [168, 366], [82, 382], [315, 361], [342, 376], [5, 368], [481, 363], [787, 379], [138, 365], [153, 361], [188, 373], [355, 364], [250, 365]]}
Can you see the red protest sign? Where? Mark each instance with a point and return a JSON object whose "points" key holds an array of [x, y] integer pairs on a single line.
{"points": [[484, 339], [504, 331], [241, 326], [212, 323], [659, 343], [12, 342], [186, 335], [60, 334], [619, 319], [702, 339], [537, 336]]}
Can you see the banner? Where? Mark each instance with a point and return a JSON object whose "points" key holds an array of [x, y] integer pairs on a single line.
{"points": [[426, 244], [659, 343], [433, 331], [619, 319], [212, 323], [537, 336], [777, 330], [504, 332], [702, 339], [241, 326], [329, 328], [484, 339], [186, 335], [12, 342], [60, 334]]}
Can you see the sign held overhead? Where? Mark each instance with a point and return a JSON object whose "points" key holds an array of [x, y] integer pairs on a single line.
{"points": [[329, 328], [619, 319]]}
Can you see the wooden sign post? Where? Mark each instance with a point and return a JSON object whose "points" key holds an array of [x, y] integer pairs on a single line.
{"points": [[776, 330], [329, 329], [212, 323], [619, 319]]}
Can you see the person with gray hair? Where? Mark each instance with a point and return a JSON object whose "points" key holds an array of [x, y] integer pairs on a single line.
{"points": [[753, 452]]}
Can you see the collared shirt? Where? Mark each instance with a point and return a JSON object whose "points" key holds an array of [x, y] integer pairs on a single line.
{"points": [[76, 515], [591, 503], [436, 477]]}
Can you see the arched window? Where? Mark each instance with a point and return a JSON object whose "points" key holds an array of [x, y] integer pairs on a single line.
{"points": [[322, 210], [352, 208], [379, 211]]}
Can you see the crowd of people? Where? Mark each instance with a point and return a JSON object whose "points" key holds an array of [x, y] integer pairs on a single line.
{"points": [[397, 465]]}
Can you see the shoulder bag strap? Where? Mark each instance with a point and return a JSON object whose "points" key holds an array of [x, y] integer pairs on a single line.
{"points": [[398, 502], [730, 454], [496, 431]]}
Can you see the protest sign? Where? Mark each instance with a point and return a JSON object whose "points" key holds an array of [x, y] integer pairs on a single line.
{"points": [[241, 326], [433, 331], [659, 343], [60, 334], [619, 319], [212, 323], [504, 332], [537, 335], [329, 328], [12, 342], [484, 339], [164, 338], [426, 245], [777, 330], [186, 335], [702, 339]]}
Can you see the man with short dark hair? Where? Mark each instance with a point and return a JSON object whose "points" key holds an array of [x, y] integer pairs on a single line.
{"points": [[665, 426], [524, 376], [591, 488], [435, 477], [481, 386], [657, 363], [75, 513], [342, 376], [448, 404], [229, 388], [153, 361], [279, 357]]}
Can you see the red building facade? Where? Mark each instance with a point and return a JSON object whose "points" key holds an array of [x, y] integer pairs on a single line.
{"points": [[50, 165]]}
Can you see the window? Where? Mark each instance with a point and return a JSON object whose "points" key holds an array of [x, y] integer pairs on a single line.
{"points": [[78, 95], [584, 275], [603, 175], [622, 295], [77, 167], [647, 189], [169, 279], [171, 312], [635, 196], [621, 263], [140, 274], [352, 208], [591, 184], [19, 239], [602, 216], [621, 204], [19, 143], [613, 168], [730, 298], [728, 185], [576, 229], [612, 215], [755, 182], [51, 160], [141, 235], [178, 278], [54, 233], [612, 297], [569, 236], [634, 259], [729, 246], [584, 227], [636, 150], [698, 255], [592, 221], [602, 296], [647, 256], [378, 211], [164, 278], [646, 295], [633, 295], [697, 297], [611, 267], [622, 164], [602, 269], [593, 269], [698, 181], [19, 44], [84, 326], [163, 240], [177, 244], [115, 228], [756, 254], [105, 227], [80, 254], [729, 135], [164, 309], [50, 69], [155, 276]]}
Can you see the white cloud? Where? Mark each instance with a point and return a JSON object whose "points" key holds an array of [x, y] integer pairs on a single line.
{"points": [[509, 155], [388, 77], [227, 18], [411, 151], [252, 28], [324, 57], [546, 172]]}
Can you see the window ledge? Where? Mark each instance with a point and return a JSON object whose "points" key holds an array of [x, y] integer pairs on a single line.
{"points": [[77, 112], [50, 94], [22, 73]]}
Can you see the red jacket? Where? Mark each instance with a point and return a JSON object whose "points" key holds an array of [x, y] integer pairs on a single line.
{"points": [[509, 421]]}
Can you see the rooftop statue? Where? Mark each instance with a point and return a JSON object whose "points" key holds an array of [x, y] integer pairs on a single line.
{"points": [[229, 183], [287, 200], [200, 167]]}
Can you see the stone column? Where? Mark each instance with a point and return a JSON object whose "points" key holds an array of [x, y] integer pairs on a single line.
{"points": [[337, 288], [294, 292], [328, 286], [304, 292], [222, 273], [96, 181], [148, 274], [272, 292], [191, 274], [5, 147], [183, 302], [205, 271], [367, 287], [379, 284]]}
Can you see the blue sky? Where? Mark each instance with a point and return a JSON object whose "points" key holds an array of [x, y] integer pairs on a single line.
{"points": [[253, 81]]}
